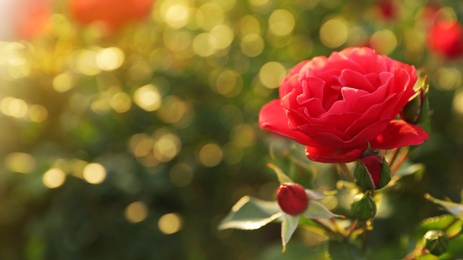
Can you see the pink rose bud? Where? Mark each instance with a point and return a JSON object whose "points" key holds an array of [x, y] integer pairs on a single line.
{"points": [[292, 198], [372, 172]]}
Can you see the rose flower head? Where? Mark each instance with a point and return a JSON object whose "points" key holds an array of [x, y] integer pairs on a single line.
{"points": [[110, 15], [445, 38], [337, 105], [292, 198]]}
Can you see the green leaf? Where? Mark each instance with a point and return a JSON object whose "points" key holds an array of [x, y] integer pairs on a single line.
{"points": [[410, 169], [452, 207], [251, 213], [288, 226], [318, 210], [344, 251], [282, 177], [448, 222], [455, 248]]}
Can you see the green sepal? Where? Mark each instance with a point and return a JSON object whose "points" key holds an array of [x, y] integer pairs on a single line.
{"points": [[362, 177], [364, 208], [385, 177]]}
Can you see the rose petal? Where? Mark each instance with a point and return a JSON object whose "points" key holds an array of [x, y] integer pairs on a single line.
{"points": [[399, 133], [273, 117], [355, 80], [322, 154]]}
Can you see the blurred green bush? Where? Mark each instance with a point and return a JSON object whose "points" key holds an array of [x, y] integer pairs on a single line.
{"points": [[134, 143]]}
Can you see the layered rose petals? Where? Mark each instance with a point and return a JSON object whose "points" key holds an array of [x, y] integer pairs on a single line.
{"points": [[336, 106]]}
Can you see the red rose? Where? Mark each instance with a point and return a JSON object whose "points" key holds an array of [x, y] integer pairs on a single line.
{"points": [[292, 199], [24, 19], [335, 106], [446, 38], [112, 15]]}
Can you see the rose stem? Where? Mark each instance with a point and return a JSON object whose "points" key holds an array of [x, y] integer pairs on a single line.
{"points": [[400, 161], [366, 229], [351, 228], [323, 225], [394, 155], [346, 171], [337, 228]]}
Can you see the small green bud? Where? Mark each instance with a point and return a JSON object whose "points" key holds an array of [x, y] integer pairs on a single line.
{"points": [[372, 172], [436, 242], [417, 109], [364, 207]]}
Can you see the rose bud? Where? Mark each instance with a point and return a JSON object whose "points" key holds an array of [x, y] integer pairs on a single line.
{"points": [[436, 242], [372, 172], [363, 208], [292, 198], [417, 109]]}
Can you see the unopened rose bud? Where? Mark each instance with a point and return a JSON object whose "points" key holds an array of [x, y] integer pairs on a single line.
{"points": [[364, 208], [292, 198], [372, 172], [436, 242], [417, 109]]}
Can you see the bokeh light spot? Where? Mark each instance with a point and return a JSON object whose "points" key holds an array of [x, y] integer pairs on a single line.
{"points": [[20, 162], [210, 155], [173, 109], [85, 62], [334, 32], [14, 107], [177, 14], [252, 45], [94, 173], [383, 41], [447, 78], [63, 82], [249, 25], [136, 212], [170, 223], [166, 147], [281, 22], [181, 175], [209, 14], [121, 102], [271, 74], [37, 113], [222, 36], [229, 83], [53, 178], [204, 45], [110, 58], [147, 97]]}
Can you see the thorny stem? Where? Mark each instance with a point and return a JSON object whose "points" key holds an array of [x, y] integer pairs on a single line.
{"points": [[346, 171]]}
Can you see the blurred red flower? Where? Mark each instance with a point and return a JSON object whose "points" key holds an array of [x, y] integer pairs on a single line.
{"points": [[446, 38], [24, 19], [110, 15]]}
